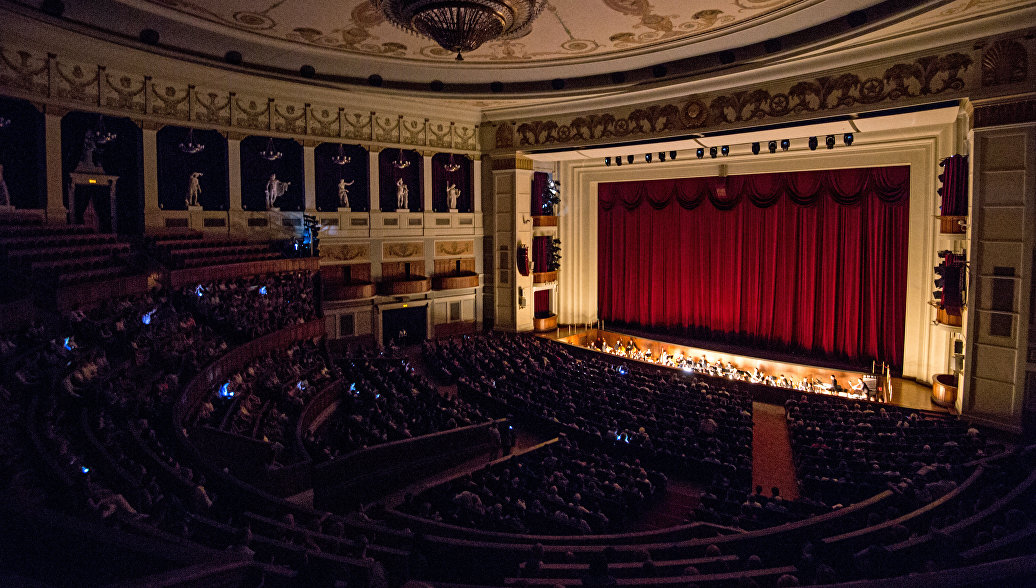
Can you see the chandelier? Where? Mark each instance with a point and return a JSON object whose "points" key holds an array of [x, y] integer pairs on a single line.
{"points": [[190, 147], [460, 26], [270, 154], [401, 163], [99, 135], [452, 166], [341, 158]]}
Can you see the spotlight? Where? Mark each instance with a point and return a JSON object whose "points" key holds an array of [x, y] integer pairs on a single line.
{"points": [[847, 139], [725, 150], [661, 155], [830, 141], [647, 157], [785, 144], [629, 159], [813, 143], [607, 161], [712, 152], [700, 152], [755, 148], [618, 160], [772, 146], [672, 155]]}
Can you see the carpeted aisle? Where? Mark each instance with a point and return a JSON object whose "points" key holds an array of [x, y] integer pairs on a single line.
{"points": [[772, 463]]}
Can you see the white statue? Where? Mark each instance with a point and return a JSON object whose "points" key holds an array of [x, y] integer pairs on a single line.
{"points": [[402, 195], [194, 189], [452, 195], [343, 193], [274, 190], [5, 196]]}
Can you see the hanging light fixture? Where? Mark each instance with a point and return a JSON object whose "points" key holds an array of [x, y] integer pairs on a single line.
{"points": [[190, 147], [460, 26], [4, 122], [99, 135], [401, 163], [452, 166], [341, 158], [270, 153]]}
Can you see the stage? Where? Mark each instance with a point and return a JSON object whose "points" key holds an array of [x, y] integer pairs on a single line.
{"points": [[894, 391]]}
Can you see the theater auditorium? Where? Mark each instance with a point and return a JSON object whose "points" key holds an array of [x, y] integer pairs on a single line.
{"points": [[465, 293]]}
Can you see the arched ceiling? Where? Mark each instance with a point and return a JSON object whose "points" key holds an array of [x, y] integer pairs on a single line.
{"points": [[574, 48], [570, 39]]}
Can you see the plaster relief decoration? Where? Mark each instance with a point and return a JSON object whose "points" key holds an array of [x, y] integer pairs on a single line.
{"points": [[123, 91], [454, 248], [25, 71], [168, 99], [289, 118], [134, 93], [562, 32], [212, 106], [402, 250], [344, 252], [1005, 62], [252, 112], [932, 75], [76, 81], [325, 121]]}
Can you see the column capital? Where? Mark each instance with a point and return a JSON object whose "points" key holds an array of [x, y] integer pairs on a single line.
{"points": [[511, 161]]}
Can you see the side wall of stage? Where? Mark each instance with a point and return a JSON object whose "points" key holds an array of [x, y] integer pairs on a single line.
{"points": [[927, 348]]}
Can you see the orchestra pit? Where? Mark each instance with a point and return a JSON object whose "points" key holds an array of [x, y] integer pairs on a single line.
{"points": [[465, 293]]}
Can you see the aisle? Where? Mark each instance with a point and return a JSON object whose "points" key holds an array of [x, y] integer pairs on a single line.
{"points": [[772, 463]]}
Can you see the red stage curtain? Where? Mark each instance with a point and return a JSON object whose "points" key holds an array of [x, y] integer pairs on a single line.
{"points": [[540, 253], [810, 261], [541, 303], [539, 184]]}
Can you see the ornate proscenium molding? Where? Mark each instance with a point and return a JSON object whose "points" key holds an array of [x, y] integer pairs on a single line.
{"points": [[956, 72]]}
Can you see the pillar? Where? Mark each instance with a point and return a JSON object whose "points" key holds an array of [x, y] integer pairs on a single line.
{"points": [[309, 170], [426, 181], [234, 170], [56, 211], [375, 182], [514, 303], [149, 131]]}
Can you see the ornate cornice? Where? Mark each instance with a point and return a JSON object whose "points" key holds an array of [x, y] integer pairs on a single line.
{"points": [[1005, 113], [512, 162], [980, 70], [64, 83]]}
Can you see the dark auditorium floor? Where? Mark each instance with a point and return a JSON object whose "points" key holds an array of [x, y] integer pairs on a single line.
{"points": [[772, 463]]}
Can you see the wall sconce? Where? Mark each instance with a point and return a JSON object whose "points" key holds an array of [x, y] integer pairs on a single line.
{"points": [[521, 298]]}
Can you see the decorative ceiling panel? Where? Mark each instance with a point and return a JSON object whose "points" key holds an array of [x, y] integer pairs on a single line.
{"points": [[567, 29]]}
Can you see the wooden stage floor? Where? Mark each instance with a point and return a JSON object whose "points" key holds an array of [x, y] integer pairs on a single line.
{"points": [[905, 393]]}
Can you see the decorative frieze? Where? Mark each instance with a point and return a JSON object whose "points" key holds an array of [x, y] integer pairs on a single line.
{"points": [[962, 71], [43, 77]]}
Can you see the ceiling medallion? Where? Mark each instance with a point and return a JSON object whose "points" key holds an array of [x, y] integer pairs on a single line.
{"points": [[460, 26]]}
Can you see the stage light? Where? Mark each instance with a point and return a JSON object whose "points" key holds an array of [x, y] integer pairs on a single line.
{"points": [[700, 153], [813, 143], [607, 161], [755, 148], [618, 160], [725, 150], [772, 146], [629, 159], [847, 138], [262, 291], [661, 155], [830, 141], [672, 155], [647, 157], [712, 152], [785, 144]]}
